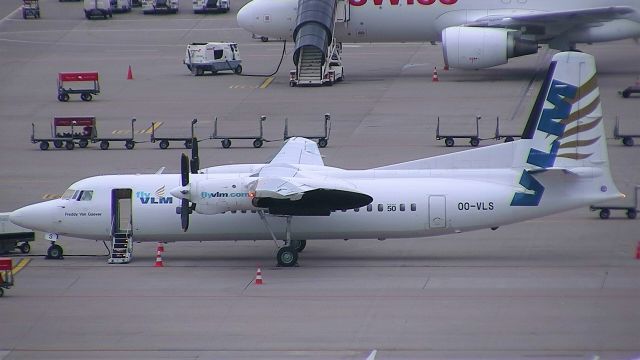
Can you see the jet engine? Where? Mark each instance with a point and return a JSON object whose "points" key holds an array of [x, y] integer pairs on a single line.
{"points": [[478, 48]]}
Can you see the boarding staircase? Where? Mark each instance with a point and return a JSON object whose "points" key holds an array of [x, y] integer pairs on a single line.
{"points": [[317, 56], [121, 248]]}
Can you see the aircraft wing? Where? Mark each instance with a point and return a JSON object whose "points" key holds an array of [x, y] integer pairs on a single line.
{"points": [[298, 150], [565, 18]]}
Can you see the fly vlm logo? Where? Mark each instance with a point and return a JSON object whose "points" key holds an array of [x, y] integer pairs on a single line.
{"points": [[550, 124], [217, 194], [159, 198]]}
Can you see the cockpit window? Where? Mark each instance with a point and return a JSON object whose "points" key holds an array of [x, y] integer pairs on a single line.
{"points": [[68, 194], [85, 195]]}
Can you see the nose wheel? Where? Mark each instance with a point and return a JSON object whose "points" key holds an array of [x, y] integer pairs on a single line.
{"points": [[55, 252]]}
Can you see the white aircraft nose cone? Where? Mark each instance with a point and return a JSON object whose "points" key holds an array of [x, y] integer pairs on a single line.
{"points": [[34, 217], [247, 16]]}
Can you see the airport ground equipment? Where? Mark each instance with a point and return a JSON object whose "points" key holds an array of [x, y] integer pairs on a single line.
{"points": [[627, 139], [86, 84], [81, 130], [631, 209], [30, 9], [258, 140], [261, 37], [121, 6], [6, 274], [474, 139], [633, 89], [136, 3], [205, 6], [13, 236], [322, 140], [160, 6], [212, 56], [499, 136], [164, 141], [97, 8]]}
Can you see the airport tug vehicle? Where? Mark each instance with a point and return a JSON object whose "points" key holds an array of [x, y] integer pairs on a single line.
{"points": [[30, 9], [81, 130], [160, 6], [205, 6], [213, 57], [97, 8], [86, 84]]}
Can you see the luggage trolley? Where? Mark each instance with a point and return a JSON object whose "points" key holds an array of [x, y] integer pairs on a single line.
{"points": [[631, 209], [474, 140], [258, 141], [499, 136], [6, 274], [627, 139], [30, 8], [164, 141], [81, 130], [323, 140], [76, 83]]}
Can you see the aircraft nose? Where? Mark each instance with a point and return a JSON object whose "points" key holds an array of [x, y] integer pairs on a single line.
{"points": [[247, 16], [34, 217]]}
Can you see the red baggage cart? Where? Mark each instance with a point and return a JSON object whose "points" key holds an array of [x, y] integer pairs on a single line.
{"points": [[86, 84], [6, 274]]}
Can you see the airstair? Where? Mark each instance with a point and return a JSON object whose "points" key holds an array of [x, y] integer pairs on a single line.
{"points": [[121, 248], [317, 56]]}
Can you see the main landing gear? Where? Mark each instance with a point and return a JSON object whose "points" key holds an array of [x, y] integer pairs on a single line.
{"points": [[287, 255]]}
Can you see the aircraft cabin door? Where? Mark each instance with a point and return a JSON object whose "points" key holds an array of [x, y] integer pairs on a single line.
{"points": [[342, 11], [437, 212], [121, 213]]}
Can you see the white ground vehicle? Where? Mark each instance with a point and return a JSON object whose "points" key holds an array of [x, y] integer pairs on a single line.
{"points": [[203, 6], [160, 6], [121, 6], [100, 8], [212, 56]]}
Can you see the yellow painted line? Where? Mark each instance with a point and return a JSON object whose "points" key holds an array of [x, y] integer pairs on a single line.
{"points": [[21, 264], [51, 196], [243, 87], [266, 82], [153, 127]]}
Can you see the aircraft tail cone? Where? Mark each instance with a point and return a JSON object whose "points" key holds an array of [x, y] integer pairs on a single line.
{"points": [[129, 74], [158, 258], [258, 280], [435, 78], [638, 251]]}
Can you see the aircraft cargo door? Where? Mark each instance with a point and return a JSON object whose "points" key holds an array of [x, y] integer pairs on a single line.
{"points": [[437, 212]]}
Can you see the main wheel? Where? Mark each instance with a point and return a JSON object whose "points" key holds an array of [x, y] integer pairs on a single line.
{"points": [[129, 144], [627, 141], [632, 213], [299, 245], [287, 256], [69, 145], [322, 142], [57, 144], [448, 142], [604, 214], [86, 97], [257, 143], [164, 144], [44, 145], [474, 142], [238, 69], [25, 248], [55, 252], [83, 143], [226, 143], [104, 145]]}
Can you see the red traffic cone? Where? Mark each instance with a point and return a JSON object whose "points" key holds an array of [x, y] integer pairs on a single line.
{"points": [[435, 78], [158, 258], [161, 247], [638, 251], [258, 277], [129, 74]]}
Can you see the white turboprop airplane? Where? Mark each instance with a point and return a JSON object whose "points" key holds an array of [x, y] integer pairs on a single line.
{"points": [[475, 34], [560, 164]]}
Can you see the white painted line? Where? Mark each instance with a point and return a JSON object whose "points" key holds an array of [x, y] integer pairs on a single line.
{"points": [[14, 12]]}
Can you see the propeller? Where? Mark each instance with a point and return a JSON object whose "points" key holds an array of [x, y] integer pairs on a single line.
{"points": [[195, 159], [185, 209]]}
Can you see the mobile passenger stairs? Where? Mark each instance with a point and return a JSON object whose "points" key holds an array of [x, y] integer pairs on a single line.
{"points": [[317, 55]]}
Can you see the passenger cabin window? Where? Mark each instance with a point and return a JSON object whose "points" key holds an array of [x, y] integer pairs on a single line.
{"points": [[369, 208], [380, 207], [402, 207], [413, 207]]}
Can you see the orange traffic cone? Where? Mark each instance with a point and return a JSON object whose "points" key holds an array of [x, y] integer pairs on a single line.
{"points": [[638, 251], [158, 258], [258, 277], [435, 78], [129, 74]]}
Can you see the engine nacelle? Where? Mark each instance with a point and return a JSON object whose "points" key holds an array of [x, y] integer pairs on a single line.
{"points": [[478, 48], [216, 196]]}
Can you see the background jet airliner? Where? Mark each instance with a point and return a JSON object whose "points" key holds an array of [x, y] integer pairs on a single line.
{"points": [[560, 164], [475, 34]]}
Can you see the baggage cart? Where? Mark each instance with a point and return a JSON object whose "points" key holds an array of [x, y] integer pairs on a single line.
{"points": [[86, 84], [627, 139], [258, 141], [164, 141], [507, 138], [6, 274], [30, 9], [78, 130], [474, 140], [323, 140], [631, 209]]}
